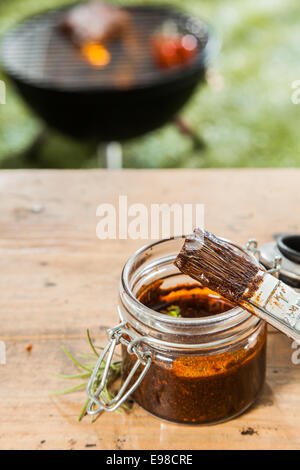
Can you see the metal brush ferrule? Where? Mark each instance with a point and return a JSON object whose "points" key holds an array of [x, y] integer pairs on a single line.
{"points": [[275, 302]]}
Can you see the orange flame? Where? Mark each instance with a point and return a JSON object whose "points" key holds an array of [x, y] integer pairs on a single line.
{"points": [[96, 54]]}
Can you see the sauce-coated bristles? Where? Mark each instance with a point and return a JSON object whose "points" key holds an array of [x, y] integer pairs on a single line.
{"points": [[216, 264]]}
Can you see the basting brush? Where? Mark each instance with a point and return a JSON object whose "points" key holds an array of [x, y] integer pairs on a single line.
{"points": [[221, 267]]}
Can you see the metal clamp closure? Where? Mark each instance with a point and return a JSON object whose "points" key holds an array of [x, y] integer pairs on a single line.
{"points": [[251, 246], [117, 335]]}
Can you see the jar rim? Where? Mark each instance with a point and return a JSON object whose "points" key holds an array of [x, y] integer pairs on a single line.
{"points": [[234, 313]]}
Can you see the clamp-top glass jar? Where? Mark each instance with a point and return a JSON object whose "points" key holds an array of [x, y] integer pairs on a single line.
{"points": [[199, 370]]}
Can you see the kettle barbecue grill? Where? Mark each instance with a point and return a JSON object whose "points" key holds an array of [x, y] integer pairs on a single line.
{"points": [[125, 99]]}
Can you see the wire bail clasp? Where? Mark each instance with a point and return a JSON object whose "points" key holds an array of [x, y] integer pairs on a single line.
{"points": [[251, 246], [144, 358]]}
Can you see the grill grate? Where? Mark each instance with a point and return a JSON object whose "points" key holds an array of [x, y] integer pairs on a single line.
{"points": [[38, 53]]}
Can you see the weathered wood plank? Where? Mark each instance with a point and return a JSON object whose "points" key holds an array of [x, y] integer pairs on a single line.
{"points": [[57, 279]]}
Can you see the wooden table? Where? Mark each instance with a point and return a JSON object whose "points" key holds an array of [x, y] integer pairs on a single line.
{"points": [[57, 279]]}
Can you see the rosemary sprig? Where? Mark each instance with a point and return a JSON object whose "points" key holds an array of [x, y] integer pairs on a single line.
{"points": [[71, 389], [91, 343], [115, 372]]}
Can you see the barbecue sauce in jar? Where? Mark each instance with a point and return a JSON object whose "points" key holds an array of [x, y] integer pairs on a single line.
{"points": [[198, 387]]}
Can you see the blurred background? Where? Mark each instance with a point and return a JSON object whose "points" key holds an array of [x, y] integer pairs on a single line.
{"points": [[241, 117]]}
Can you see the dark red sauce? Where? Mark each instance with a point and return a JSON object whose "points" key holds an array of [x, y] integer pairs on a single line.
{"points": [[198, 387]]}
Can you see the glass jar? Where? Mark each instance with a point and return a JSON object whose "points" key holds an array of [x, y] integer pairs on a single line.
{"points": [[187, 370]]}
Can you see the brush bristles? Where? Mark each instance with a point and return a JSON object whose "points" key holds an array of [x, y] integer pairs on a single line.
{"points": [[216, 264]]}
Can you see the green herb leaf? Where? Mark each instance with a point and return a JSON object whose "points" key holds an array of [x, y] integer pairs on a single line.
{"points": [[172, 311], [115, 372]]}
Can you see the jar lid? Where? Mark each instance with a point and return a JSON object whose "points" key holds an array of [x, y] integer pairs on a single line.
{"points": [[284, 246]]}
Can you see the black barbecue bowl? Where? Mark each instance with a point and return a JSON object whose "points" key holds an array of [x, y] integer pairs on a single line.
{"points": [[289, 246], [105, 112]]}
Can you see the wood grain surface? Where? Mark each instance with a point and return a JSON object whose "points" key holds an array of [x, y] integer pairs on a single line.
{"points": [[57, 279]]}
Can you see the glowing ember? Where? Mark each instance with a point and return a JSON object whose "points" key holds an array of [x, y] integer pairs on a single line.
{"points": [[96, 54]]}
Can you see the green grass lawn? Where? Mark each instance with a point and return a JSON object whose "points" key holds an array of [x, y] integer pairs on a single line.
{"points": [[244, 114]]}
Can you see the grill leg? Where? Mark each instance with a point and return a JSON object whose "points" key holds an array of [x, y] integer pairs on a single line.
{"points": [[113, 155], [185, 129]]}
